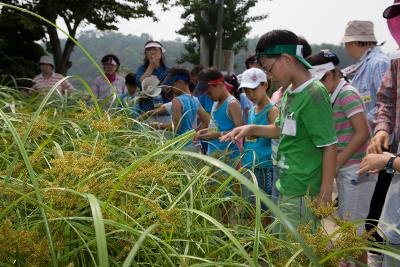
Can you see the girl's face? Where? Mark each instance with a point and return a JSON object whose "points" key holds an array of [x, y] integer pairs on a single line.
{"points": [[257, 94], [109, 68], [214, 91], [329, 82], [153, 53]]}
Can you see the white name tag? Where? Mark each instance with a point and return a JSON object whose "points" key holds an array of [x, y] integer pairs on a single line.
{"points": [[289, 125]]}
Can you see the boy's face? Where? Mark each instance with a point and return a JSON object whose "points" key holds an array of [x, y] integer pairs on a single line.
{"points": [[131, 88], [273, 67]]}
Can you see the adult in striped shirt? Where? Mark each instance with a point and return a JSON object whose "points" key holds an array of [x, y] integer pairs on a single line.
{"points": [[43, 82], [354, 190]]}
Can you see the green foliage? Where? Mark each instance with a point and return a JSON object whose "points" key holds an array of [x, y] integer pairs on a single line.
{"points": [[117, 192], [236, 23], [19, 54], [102, 14]]}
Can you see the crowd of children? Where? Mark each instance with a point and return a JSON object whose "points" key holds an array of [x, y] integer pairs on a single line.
{"points": [[316, 129]]}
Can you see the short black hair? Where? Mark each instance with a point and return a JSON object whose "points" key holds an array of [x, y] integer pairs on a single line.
{"points": [[107, 58], [209, 74], [276, 37], [251, 59], [130, 79], [196, 70], [181, 72], [307, 50]]}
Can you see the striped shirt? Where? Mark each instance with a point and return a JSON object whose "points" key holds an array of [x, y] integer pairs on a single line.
{"points": [[346, 103], [101, 88], [368, 77], [42, 84], [388, 116]]}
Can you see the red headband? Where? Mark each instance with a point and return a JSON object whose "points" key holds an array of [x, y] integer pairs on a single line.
{"points": [[228, 86], [216, 81]]}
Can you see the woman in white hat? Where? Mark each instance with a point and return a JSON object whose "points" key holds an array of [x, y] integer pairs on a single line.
{"points": [[101, 87], [48, 78], [153, 63]]}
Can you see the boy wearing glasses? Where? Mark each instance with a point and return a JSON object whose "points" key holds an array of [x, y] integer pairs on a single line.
{"points": [[307, 150]]}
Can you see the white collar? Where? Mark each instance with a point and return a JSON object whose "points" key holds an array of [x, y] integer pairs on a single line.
{"points": [[301, 87], [338, 88]]}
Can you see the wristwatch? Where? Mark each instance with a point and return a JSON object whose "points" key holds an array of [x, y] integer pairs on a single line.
{"points": [[389, 165]]}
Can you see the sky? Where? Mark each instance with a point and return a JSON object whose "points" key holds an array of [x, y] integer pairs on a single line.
{"points": [[317, 20]]}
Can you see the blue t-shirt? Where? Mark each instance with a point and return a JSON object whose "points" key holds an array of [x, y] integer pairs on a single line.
{"points": [[221, 120], [257, 150], [206, 102], [160, 72], [190, 108]]}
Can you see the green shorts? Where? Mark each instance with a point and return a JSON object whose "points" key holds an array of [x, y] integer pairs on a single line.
{"points": [[297, 212]]}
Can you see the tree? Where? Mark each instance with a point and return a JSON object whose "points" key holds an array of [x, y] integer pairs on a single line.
{"points": [[201, 19], [103, 14], [19, 54]]}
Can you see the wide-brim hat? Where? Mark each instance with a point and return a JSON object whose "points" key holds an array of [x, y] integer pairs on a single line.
{"points": [[392, 10], [46, 59], [359, 31], [150, 86]]}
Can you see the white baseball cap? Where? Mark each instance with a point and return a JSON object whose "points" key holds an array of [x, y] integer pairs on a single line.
{"points": [[150, 86], [318, 71], [252, 78]]}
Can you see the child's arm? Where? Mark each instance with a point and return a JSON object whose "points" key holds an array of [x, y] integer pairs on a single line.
{"points": [[359, 138], [273, 114], [204, 118], [235, 113], [176, 114], [154, 112], [267, 131], [328, 174]]}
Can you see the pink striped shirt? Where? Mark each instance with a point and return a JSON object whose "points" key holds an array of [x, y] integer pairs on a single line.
{"points": [[42, 84]]}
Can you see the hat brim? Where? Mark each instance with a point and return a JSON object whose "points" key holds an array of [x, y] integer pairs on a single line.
{"points": [[152, 93], [201, 88], [392, 11], [359, 38], [304, 62], [249, 85]]}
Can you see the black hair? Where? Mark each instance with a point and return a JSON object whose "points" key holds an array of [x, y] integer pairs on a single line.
{"points": [[307, 50], [326, 56], [162, 60], [130, 79], [274, 38], [209, 74], [251, 59], [363, 44], [107, 58], [196, 70], [232, 80], [181, 72]]}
